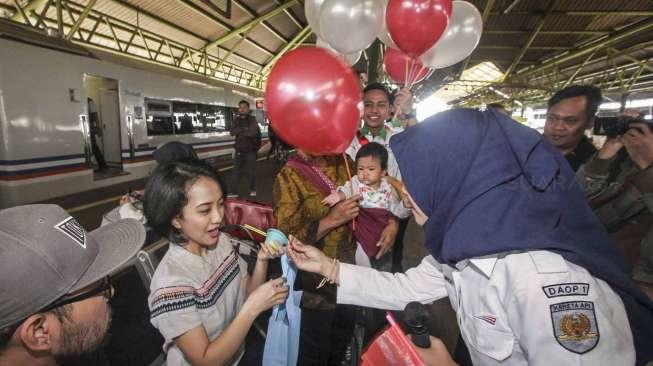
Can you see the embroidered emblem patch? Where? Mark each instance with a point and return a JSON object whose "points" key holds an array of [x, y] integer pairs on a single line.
{"points": [[73, 230], [574, 325], [566, 289]]}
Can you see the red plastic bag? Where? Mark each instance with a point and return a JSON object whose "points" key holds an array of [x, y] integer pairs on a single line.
{"points": [[391, 348]]}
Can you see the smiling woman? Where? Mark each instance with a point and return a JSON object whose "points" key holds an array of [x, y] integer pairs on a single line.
{"points": [[202, 299]]}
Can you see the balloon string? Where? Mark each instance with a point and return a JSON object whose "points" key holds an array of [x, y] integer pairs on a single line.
{"points": [[413, 76], [344, 157], [406, 74], [421, 69]]}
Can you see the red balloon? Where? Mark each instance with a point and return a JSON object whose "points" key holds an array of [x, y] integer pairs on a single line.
{"points": [[403, 68], [312, 100], [415, 25]]}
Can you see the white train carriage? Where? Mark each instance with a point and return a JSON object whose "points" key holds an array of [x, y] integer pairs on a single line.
{"points": [[44, 118]]}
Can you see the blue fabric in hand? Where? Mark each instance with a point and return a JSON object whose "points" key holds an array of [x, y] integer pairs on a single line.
{"points": [[282, 341]]}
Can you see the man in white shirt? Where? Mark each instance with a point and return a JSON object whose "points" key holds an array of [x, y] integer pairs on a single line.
{"points": [[379, 127]]}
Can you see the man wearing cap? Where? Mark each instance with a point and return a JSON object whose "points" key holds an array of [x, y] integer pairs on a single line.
{"points": [[54, 290]]}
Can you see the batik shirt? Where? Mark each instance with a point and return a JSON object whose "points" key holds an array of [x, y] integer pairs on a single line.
{"points": [[298, 211], [188, 290]]}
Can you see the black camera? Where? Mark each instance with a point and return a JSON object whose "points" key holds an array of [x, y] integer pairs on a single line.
{"points": [[616, 126]]}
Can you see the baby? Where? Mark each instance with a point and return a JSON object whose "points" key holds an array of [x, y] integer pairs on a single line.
{"points": [[379, 200]]}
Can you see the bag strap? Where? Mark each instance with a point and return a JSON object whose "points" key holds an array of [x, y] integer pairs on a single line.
{"points": [[315, 176]]}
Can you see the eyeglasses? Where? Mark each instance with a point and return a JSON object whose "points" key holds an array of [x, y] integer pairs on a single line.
{"points": [[102, 287]]}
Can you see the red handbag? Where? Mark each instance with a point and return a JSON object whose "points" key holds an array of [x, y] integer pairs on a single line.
{"points": [[240, 212]]}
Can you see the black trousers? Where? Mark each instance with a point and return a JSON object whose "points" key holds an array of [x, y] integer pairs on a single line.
{"points": [[324, 335], [245, 167]]}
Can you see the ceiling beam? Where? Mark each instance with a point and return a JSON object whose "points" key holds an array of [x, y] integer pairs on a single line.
{"points": [[231, 50], [166, 22], [573, 76], [262, 20], [22, 13], [225, 13], [486, 14], [80, 19], [581, 13], [222, 23], [291, 15], [199, 10], [549, 32], [174, 26], [619, 35], [497, 61], [624, 51], [631, 58], [504, 47], [250, 24], [297, 40], [529, 42]]}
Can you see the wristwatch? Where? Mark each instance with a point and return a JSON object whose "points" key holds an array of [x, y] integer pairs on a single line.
{"points": [[410, 114]]}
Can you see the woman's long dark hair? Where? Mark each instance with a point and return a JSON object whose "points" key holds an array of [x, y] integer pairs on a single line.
{"points": [[166, 194]]}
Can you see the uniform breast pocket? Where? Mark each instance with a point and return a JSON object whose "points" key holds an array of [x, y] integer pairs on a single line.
{"points": [[484, 334]]}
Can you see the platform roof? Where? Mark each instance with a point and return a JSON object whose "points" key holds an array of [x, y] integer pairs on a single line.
{"points": [[538, 45]]}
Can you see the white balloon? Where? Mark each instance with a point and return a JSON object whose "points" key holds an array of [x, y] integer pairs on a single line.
{"points": [[459, 39], [324, 44], [384, 36], [351, 25], [312, 13], [351, 58]]}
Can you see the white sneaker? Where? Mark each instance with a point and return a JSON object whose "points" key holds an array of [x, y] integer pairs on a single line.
{"points": [[232, 195], [252, 193]]}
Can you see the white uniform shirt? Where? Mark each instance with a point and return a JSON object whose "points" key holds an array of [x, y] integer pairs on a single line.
{"points": [[393, 167], [528, 308], [188, 291]]}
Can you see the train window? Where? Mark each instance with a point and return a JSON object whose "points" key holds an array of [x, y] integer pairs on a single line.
{"points": [[158, 107], [179, 118]]}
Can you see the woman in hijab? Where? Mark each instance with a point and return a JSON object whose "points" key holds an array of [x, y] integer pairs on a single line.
{"points": [[528, 268]]}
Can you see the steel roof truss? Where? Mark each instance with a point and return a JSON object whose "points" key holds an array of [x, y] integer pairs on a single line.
{"points": [[81, 18], [530, 40]]}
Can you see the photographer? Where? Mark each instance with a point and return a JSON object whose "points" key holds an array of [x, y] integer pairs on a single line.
{"points": [[618, 181]]}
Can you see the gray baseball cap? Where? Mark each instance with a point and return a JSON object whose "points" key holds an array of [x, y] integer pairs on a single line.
{"points": [[45, 254]]}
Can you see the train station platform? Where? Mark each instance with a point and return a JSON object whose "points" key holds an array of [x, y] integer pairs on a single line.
{"points": [[133, 341]]}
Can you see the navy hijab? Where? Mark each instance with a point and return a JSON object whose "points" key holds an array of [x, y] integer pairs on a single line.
{"points": [[490, 185]]}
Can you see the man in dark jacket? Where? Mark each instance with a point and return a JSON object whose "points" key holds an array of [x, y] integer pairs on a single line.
{"points": [[618, 181], [247, 133], [570, 112]]}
